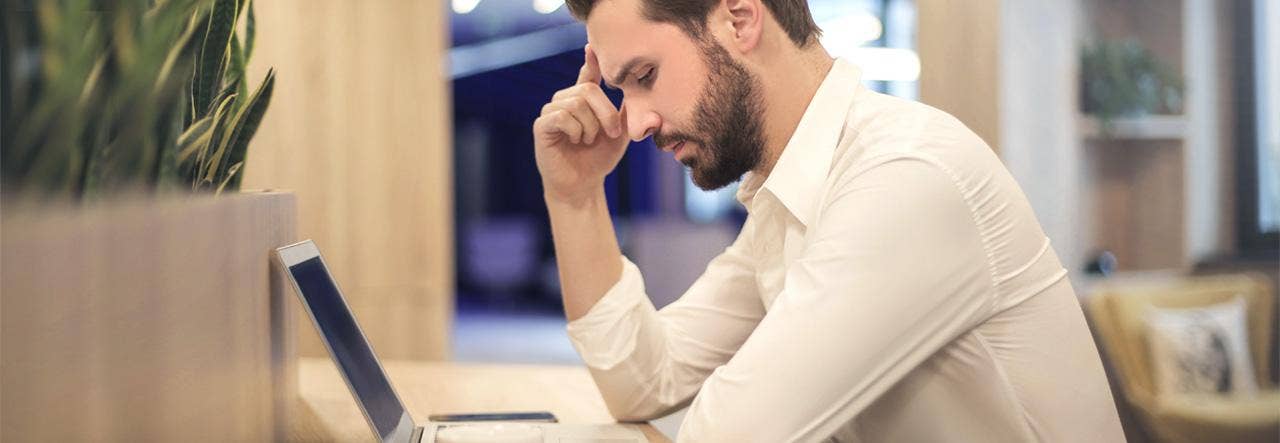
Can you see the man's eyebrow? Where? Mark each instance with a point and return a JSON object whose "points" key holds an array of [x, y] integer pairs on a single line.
{"points": [[618, 80]]}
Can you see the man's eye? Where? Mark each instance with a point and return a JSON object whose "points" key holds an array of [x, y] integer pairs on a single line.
{"points": [[646, 78]]}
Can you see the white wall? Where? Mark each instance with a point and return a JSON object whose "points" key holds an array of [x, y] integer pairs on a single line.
{"points": [[1202, 169], [1038, 66]]}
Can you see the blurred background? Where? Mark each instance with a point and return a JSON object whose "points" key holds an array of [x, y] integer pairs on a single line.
{"points": [[1146, 134]]}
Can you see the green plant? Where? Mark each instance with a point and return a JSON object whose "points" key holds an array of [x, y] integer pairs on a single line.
{"points": [[1123, 78], [137, 95]]}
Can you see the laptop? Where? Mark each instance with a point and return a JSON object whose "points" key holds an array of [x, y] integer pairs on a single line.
{"points": [[382, 408]]}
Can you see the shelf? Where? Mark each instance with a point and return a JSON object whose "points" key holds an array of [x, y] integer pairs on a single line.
{"points": [[1151, 127]]}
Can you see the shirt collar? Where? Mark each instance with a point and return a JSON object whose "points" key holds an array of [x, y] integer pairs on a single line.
{"points": [[798, 175]]}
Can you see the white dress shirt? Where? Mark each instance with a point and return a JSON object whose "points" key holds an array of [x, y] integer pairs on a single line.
{"points": [[890, 284]]}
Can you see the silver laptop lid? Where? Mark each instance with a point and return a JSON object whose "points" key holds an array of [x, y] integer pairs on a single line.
{"points": [[346, 342]]}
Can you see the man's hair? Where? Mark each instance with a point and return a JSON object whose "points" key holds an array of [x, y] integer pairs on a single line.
{"points": [[691, 15]]}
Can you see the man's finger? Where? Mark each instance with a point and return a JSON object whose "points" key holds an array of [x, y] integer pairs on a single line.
{"points": [[582, 112], [586, 117], [590, 72], [610, 121], [559, 123], [622, 119], [564, 121]]}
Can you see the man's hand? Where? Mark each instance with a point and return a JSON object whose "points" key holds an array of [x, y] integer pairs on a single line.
{"points": [[580, 137]]}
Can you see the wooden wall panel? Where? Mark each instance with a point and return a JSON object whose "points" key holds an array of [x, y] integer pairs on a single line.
{"points": [[146, 321], [359, 129], [1137, 207], [959, 62]]}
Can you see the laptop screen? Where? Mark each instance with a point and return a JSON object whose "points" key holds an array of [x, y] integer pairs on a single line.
{"points": [[353, 354]]}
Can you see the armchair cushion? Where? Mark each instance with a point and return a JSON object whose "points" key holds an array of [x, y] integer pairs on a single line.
{"points": [[1201, 350]]}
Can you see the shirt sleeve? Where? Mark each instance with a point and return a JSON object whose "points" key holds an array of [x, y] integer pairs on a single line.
{"points": [[648, 363], [894, 269]]}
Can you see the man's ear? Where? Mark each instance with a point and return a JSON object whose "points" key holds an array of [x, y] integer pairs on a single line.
{"points": [[745, 19]]}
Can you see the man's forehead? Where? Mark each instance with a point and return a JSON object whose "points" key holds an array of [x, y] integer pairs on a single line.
{"points": [[619, 33], [614, 30]]}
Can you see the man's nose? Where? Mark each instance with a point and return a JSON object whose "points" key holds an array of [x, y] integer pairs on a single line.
{"points": [[641, 122]]}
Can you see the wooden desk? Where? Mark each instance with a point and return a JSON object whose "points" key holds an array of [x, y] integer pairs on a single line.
{"points": [[327, 412]]}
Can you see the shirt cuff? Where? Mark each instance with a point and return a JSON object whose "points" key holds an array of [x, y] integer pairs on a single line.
{"points": [[607, 334]]}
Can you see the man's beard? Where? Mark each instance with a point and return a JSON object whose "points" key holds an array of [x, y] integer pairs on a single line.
{"points": [[727, 122]]}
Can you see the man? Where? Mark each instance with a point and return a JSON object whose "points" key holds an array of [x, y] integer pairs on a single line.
{"points": [[891, 282]]}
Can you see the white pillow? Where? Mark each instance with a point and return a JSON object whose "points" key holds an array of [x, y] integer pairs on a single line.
{"points": [[1202, 350]]}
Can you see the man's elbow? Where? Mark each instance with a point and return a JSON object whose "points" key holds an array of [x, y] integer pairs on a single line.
{"points": [[630, 410]]}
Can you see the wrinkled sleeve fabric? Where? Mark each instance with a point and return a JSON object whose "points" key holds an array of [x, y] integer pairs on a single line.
{"points": [[647, 362], [893, 270]]}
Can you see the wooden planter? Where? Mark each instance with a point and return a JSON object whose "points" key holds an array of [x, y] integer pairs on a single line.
{"points": [[147, 320]]}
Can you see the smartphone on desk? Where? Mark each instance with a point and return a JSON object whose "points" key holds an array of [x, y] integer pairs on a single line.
{"points": [[538, 416]]}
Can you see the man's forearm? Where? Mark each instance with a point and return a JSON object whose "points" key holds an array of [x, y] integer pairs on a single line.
{"points": [[587, 251]]}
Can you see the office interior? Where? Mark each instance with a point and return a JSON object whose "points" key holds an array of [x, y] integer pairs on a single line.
{"points": [[397, 136]]}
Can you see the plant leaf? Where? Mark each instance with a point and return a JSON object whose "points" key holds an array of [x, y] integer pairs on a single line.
{"points": [[213, 54], [207, 161], [236, 72], [199, 22], [249, 32], [166, 176], [175, 55], [246, 125], [230, 174], [195, 136]]}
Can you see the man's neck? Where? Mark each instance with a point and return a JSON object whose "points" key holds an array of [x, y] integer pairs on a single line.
{"points": [[787, 94]]}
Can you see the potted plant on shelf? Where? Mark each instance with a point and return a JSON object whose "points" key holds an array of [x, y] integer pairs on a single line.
{"points": [[133, 295], [1124, 79]]}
